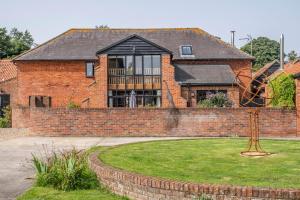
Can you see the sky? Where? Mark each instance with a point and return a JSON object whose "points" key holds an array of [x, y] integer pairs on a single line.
{"points": [[46, 19]]}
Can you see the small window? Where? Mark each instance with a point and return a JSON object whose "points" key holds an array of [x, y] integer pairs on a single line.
{"points": [[186, 50], [89, 69]]}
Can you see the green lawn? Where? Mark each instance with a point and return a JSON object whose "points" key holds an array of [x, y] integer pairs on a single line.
{"points": [[42, 193], [211, 161]]}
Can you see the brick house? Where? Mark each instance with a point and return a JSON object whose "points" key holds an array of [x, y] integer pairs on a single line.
{"points": [[99, 68], [8, 83]]}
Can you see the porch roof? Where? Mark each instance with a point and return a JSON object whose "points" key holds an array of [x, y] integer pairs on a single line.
{"points": [[206, 75]]}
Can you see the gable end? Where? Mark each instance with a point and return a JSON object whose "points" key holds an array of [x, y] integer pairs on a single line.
{"points": [[133, 44]]}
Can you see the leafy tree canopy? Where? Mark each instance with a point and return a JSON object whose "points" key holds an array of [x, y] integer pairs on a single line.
{"points": [[292, 55], [14, 42], [264, 50]]}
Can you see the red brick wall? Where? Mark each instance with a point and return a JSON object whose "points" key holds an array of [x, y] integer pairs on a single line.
{"points": [[152, 122], [141, 187], [168, 81], [62, 80], [232, 93], [10, 87]]}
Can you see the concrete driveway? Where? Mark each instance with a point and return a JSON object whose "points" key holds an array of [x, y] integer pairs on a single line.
{"points": [[16, 170]]}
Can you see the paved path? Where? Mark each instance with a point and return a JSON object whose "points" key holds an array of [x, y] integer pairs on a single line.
{"points": [[16, 170]]}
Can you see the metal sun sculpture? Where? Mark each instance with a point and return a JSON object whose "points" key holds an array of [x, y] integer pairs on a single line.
{"points": [[253, 148]]}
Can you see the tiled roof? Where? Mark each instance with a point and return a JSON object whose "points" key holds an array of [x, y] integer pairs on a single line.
{"points": [[82, 44], [264, 69], [7, 70], [204, 74], [292, 67]]}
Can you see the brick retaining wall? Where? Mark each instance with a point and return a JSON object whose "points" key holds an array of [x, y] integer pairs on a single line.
{"points": [[152, 122], [141, 187]]}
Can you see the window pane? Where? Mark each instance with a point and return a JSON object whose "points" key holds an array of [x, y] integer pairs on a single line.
{"points": [[129, 65], [121, 61], [147, 65], [112, 62], [89, 69], [138, 65], [156, 64], [186, 50]]}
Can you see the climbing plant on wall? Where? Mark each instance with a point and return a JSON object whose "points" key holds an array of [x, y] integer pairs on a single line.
{"points": [[283, 91]]}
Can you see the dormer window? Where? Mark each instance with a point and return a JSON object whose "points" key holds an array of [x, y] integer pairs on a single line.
{"points": [[186, 50]]}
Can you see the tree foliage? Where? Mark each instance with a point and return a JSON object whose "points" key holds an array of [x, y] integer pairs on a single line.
{"points": [[264, 50], [283, 91], [292, 55], [14, 42]]}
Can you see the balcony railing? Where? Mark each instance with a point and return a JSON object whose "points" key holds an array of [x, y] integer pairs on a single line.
{"points": [[137, 82]]}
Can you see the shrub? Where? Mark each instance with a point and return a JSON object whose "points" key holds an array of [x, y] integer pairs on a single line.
{"points": [[215, 100], [72, 105], [5, 121], [65, 171], [283, 91]]}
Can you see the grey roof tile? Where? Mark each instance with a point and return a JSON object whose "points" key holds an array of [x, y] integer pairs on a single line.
{"points": [[204, 74], [82, 44]]}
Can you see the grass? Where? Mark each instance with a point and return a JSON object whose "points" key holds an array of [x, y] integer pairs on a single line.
{"points": [[45, 193], [49, 193], [215, 161]]}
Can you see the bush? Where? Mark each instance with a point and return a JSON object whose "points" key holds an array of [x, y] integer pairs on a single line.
{"points": [[215, 100], [72, 105], [65, 171], [5, 121], [283, 91]]}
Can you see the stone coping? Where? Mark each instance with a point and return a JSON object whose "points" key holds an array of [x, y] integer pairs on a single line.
{"points": [[140, 187]]}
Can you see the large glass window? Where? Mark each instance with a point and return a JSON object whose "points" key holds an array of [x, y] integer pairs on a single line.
{"points": [[134, 73]]}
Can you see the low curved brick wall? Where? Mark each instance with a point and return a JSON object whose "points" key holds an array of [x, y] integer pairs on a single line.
{"points": [[141, 187]]}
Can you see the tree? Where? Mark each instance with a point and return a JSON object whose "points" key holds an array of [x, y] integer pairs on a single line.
{"points": [[14, 43], [292, 56], [264, 50]]}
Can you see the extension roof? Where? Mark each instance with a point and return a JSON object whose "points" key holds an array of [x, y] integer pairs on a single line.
{"points": [[82, 44], [205, 75], [8, 70]]}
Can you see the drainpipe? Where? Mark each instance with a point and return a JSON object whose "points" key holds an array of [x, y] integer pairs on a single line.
{"points": [[232, 38], [281, 52]]}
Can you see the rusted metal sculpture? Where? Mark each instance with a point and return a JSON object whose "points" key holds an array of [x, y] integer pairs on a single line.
{"points": [[253, 147]]}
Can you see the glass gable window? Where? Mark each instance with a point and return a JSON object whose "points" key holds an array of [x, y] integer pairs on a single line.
{"points": [[186, 50], [140, 74], [89, 69]]}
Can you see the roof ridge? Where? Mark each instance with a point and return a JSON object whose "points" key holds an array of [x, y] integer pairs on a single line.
{"points": [[223, 42], [107, 29]]}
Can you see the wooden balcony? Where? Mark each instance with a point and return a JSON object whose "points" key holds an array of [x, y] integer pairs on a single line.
{"points": [[150, 82]]}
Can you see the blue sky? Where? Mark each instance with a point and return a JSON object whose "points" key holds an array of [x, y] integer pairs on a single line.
{"points": [[46, 19]]}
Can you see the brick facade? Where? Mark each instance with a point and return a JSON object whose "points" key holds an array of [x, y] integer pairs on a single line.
{"points": [[139, 187], [66, 81], [10, 87], [152, 122]]}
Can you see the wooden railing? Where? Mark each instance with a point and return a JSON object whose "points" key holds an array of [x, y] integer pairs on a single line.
{"points": [[150, 82]]}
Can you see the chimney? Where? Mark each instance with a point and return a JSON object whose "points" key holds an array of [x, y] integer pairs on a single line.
{"points": [[232, 38], [281, 52]]}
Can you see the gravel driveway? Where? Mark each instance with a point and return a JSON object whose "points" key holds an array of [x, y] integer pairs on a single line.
{"points": [[16, 171]]}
